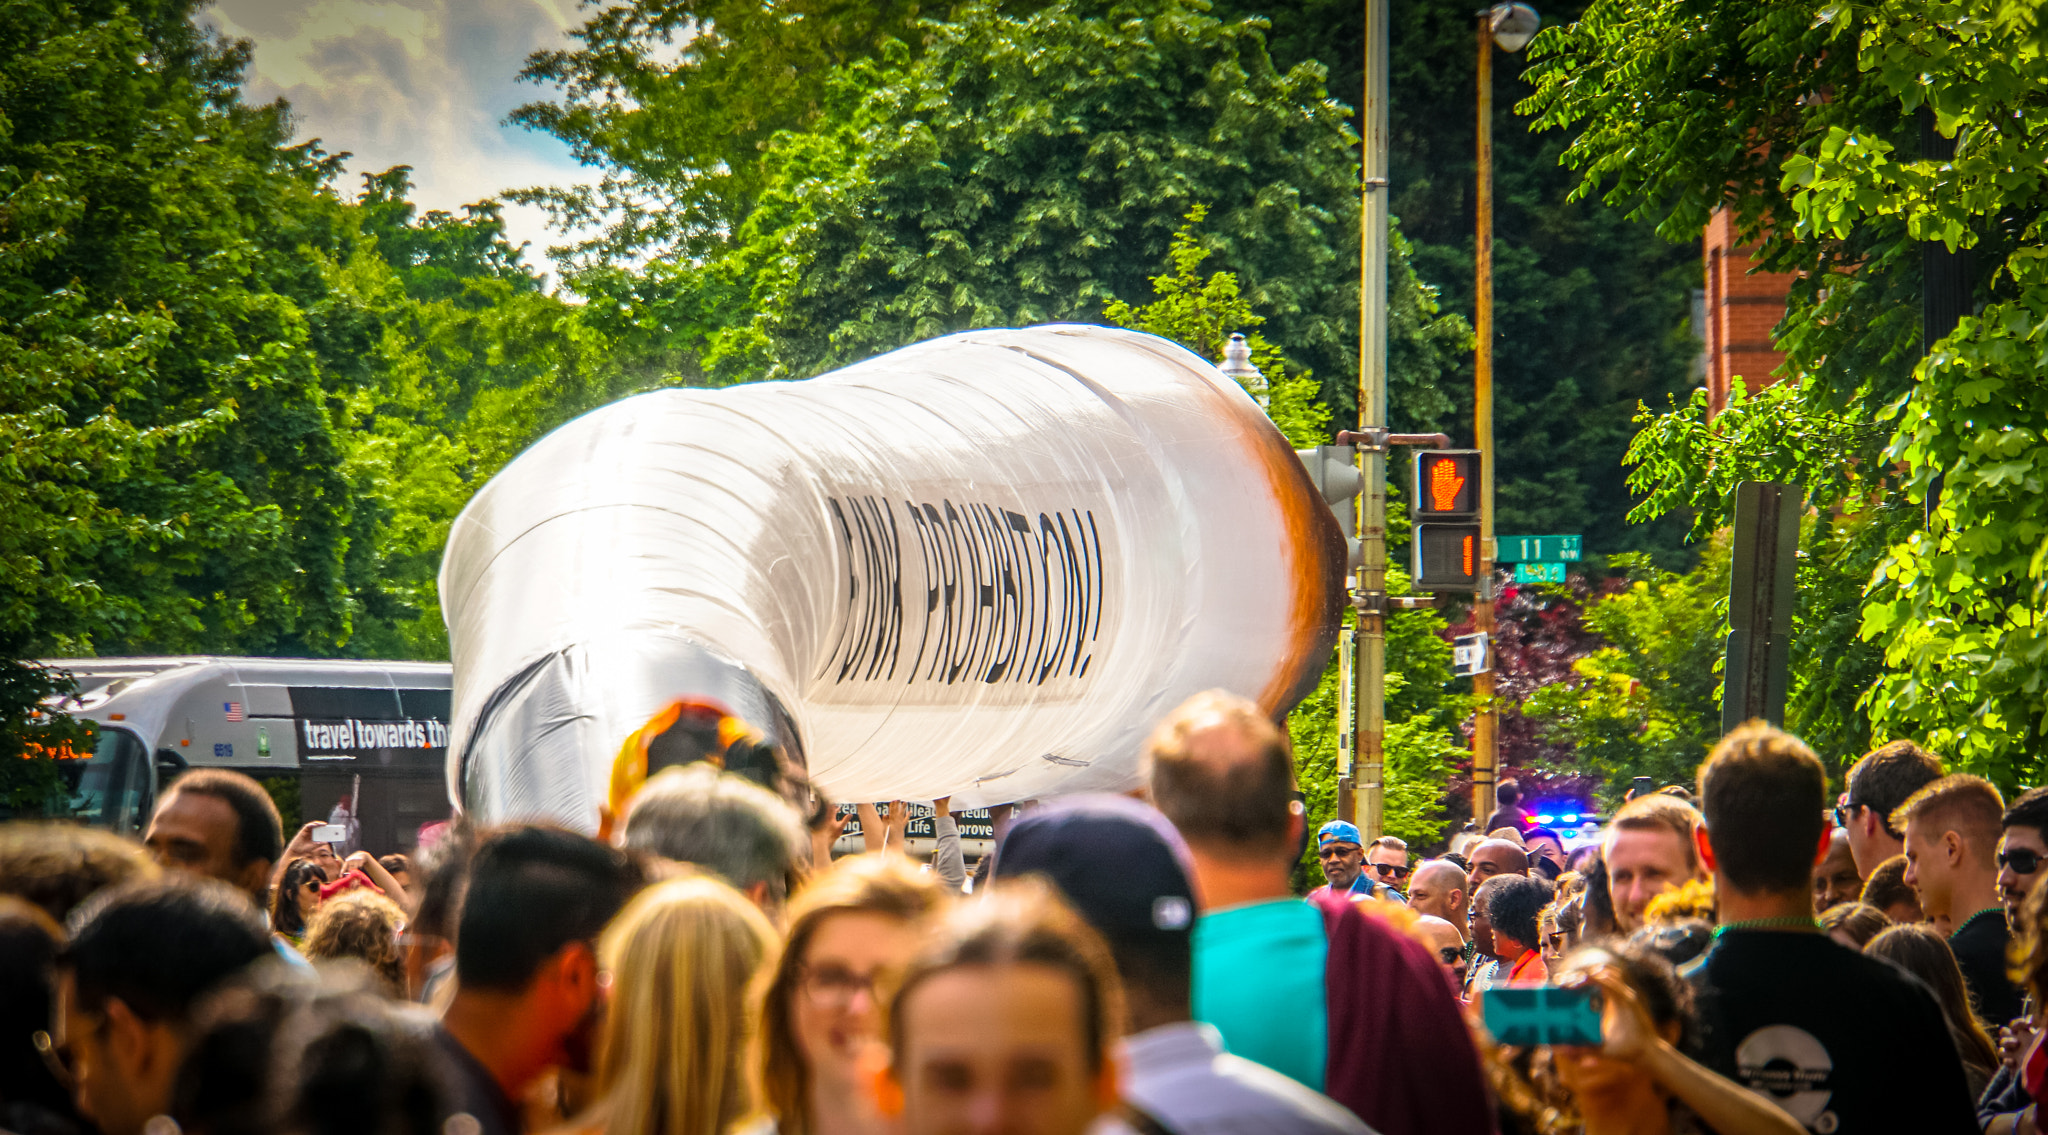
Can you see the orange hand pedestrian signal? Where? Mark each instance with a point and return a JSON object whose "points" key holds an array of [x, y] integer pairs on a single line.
{"points": [[1446, 484]]}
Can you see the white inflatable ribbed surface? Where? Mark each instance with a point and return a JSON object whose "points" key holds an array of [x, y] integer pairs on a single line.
{"points": [[982, 566]]}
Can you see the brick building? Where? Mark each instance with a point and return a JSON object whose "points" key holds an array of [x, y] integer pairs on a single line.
{"points": [[1741, 309]]}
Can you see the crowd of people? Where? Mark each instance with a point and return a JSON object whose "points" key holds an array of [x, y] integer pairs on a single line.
{"points": [[1118, 964]]}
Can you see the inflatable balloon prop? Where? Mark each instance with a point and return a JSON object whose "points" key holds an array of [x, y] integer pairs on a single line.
{"points": [[982, 567]]}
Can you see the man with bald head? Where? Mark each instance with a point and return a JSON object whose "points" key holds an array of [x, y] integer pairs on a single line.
{"points": [[1314, 989], [1440, 889], [1448, 942], [1497, 857]]}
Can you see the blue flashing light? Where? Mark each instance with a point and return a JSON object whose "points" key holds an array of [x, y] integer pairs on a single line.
{"points": [[1546, 819], [1571, 819]]}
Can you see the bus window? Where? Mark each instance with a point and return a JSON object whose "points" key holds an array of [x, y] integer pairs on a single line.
{"points": [[110, 790]]}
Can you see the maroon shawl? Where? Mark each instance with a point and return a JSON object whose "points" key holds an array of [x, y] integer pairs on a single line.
{"points": [[1399, 1053]]}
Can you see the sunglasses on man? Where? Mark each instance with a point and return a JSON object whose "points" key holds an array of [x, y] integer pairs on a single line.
{"points": [[1846, 809], [2022, 860], [1390, 870]]}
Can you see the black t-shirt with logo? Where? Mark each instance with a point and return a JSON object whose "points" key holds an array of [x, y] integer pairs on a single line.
{"points": [[1844, 1043], [1979, 946]]}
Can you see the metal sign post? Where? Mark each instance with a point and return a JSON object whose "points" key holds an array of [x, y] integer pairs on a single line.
{"points": [[1761, 582]]}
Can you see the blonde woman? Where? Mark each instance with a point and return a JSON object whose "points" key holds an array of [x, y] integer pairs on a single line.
{"points": [[363, 925], [856, 923], [671, 1059]]}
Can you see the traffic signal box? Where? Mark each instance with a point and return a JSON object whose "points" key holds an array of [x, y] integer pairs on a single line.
{"points": [[1445, 509], [1333, 469]]}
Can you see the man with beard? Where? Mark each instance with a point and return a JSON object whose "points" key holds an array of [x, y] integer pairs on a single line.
{"points": [[527, 996], [2022, 850]]}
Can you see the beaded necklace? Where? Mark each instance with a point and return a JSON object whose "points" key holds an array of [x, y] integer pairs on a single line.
{"points": [[1781, 922]]}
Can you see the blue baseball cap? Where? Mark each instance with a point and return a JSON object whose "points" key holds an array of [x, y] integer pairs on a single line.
{"points": [[1338, 831], [1119, 862]]}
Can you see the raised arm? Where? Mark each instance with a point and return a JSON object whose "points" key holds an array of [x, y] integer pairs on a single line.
{"points": [[1722, 1104]]}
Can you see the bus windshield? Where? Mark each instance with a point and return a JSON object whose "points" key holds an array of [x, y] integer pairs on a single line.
{"points": [[108, 789]]}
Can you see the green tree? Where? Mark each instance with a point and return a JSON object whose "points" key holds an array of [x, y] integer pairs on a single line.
{"points": [[1678, 109], [1005, 167], [1591, 306], [1201, 315], [1647, 703]]}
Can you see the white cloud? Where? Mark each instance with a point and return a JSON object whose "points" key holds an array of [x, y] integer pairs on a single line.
{"points": [[424, 83]]}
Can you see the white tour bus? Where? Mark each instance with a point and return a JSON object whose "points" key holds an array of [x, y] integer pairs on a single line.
{"points": [[366, 742]]}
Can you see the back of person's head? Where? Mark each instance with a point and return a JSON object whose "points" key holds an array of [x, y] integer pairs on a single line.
{"points": [[1857, 921], [1223, 773], [363, 925], [2028, 810], [259, 832], [720, 822], [440, 883], [1022, 923], [1597, 906], [1966, 805], [1764, 795], [1123, 867], [1923, 952], [159, 945], [280, 1051], [1512, 904], [1508, 793], [1666, 995], [30, 1094], [533, 890], [1657, 812], [672, 1055], [878, 883], [1677, 941], [57, 866], [1887, 885], [1887, 775]]}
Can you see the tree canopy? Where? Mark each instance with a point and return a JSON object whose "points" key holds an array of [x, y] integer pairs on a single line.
{"points": [[1804, 120]]}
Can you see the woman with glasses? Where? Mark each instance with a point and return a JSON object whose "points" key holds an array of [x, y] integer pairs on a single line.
{"points": [[295, 898], [671, 1053], [856, 923]]}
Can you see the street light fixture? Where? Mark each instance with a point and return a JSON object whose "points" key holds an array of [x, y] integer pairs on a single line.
{"points": [[1510, 26], [1513, 25], [1237, 363]]}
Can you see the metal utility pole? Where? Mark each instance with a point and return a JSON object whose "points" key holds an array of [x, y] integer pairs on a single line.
{"points": [[1369, 656], [1484, 722]]}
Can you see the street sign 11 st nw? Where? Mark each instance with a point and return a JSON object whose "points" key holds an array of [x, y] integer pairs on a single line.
{"points": [[1535, 549]]}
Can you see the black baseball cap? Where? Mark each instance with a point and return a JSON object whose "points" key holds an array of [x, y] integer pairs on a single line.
{"points": [[1119, 862]]}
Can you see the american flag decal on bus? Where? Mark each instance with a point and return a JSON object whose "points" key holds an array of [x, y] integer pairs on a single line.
{"points": [[234, 709]]}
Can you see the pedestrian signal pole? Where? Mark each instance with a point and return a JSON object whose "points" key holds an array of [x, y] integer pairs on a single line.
{"points": [[1369, 648]]}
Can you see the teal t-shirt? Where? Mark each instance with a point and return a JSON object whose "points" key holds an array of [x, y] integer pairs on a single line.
{"points": [[1259, 981]]}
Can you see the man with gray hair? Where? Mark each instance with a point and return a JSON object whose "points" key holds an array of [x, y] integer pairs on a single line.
{"points": [[725, 824]]}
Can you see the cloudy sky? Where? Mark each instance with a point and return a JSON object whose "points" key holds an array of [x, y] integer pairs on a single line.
{"points": [[425, 83]]}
